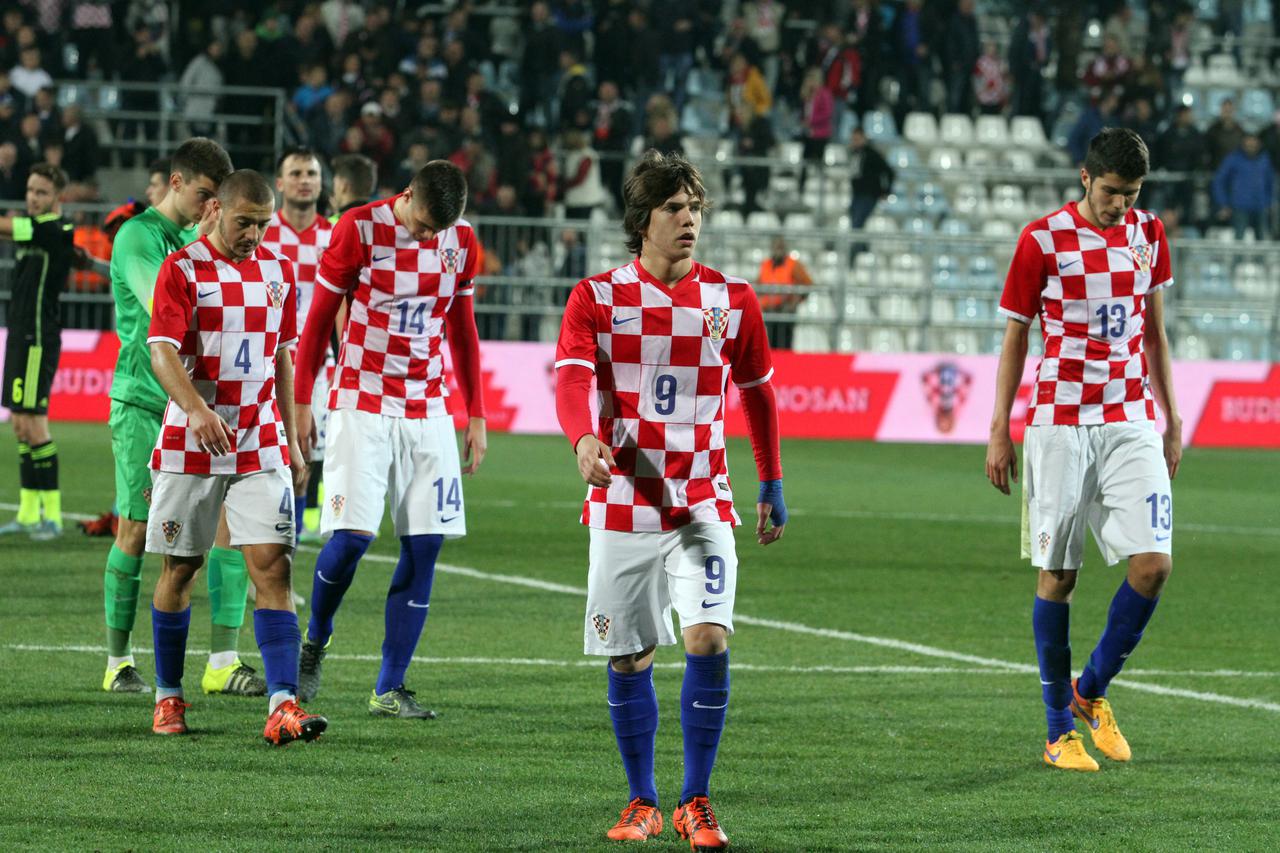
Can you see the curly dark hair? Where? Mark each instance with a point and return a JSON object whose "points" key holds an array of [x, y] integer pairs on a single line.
{"points": [[656, 178]]}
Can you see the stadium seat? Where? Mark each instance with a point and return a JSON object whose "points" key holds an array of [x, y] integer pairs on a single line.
{"points": [[903, 157], [1017, 160], [798, 221], [1027, 133], [1213, 100], [944, 160], [835, 154], [727, 219], [920, 128], [761, 219], [880, 224], [790, 152], [1222, 70], [941, 310], [956, 130], [991, 131], [979, 158], [879, 126], [1257, 107]]}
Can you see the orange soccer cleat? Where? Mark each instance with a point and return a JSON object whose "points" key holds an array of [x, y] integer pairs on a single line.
{"points": [[639, 821], [170, 716], [289, 723], [696, 823]]}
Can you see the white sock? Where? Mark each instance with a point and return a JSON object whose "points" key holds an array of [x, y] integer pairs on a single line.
{"points": [[278, 697], [219, 660], [113, 662], [163, 693]]}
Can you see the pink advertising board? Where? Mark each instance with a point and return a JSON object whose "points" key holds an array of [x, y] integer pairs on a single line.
{"points": [[914, 397]]}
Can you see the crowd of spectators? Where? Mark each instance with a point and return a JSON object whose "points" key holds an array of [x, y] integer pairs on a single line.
{"points": [[541, 108]]}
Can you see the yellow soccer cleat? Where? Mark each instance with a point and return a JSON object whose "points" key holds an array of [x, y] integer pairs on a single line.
{"points": [[235, 679], [1067, 753], [124, 679], [1101, 720]]}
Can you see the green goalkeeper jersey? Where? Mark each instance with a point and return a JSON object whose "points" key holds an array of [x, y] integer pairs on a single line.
{"points": [[139, 249]]}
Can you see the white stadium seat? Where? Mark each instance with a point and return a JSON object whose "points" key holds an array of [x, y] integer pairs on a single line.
{"points": [[956, 130], [991, 131], [920, 128]]}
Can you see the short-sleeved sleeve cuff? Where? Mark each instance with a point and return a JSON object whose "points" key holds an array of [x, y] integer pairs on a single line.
{"points": [[753, 383], [1014, 315], [1161, 286], [565, 362]]}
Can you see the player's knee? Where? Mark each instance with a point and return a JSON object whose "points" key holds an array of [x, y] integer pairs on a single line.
{"points": [[706, 639], [181, 571], [1148, 573], [1056, 585], [131, 536], [634, 662]]}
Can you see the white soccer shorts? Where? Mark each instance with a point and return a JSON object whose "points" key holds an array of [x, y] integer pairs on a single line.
{"points": [[1111, 478], [635, 579], [185, 508], [413, 461]]}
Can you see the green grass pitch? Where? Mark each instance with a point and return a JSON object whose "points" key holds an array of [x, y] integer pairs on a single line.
{"points": [[841, 734]]}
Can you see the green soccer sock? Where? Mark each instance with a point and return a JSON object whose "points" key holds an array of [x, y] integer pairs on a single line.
{"points": [[122, 582], [44, 461], [228, 591], [28, 495]]}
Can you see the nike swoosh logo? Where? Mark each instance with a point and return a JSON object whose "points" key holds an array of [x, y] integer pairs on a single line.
{"points": [[200, 295], [1162, 538], [1052, 756], [419, 606], [284, 526], [698, 704], [383, 258], [615, 704], [1046, 683], [1062, 267], [447, 520], [325, 579], [706, 606], [619, 321]]}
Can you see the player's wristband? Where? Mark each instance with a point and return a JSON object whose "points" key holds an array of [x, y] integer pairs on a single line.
{"points": [[771, 493]]}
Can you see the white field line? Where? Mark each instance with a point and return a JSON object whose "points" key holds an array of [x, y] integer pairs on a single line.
{"points": [[869, 515], [849, 636], [881, 515], [889, 669]]}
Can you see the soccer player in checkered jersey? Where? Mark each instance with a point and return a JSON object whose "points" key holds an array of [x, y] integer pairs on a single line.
{"points": [[1095, 273], [301, 234], [662, 337], [224, 319], [406, 265]]}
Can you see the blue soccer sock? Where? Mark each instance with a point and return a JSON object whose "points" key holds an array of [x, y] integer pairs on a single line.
{"points": [[278, 641], [335, 568], [407, 603], [1126, 620], [169, 635], [704, 698], [1051, 621], [633, 706]]}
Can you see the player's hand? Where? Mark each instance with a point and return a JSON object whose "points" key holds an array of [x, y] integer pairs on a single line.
{"points": [[594, 461], [1173, 446], [298, 468], [770, 507], [304, 429], [474, 443], [767, 535], [211, 432], [1002, 461], [210, 218]]}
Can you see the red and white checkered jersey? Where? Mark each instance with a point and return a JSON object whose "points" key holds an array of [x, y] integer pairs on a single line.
{"points": [[303, 249], [662, 357], [228, 321], [390, 361], [1089, 287]]}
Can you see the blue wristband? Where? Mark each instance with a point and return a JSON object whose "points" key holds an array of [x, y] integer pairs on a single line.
{"points": [[771, 493]]}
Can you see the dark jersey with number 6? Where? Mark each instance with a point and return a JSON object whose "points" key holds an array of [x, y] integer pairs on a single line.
{"points": [[46, 248]]}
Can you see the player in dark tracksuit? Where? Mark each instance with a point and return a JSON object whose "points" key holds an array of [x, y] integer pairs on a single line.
{"points": [[46, 250]]}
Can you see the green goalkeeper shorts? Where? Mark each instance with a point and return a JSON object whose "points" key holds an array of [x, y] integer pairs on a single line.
{"points": [[134, 431]]}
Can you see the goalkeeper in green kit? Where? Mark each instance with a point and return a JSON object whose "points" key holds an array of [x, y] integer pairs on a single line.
{"points": [[138, 402]]}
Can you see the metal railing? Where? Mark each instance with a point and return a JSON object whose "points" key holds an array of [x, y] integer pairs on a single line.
{"points": [[165, 114], [871, 290]]}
